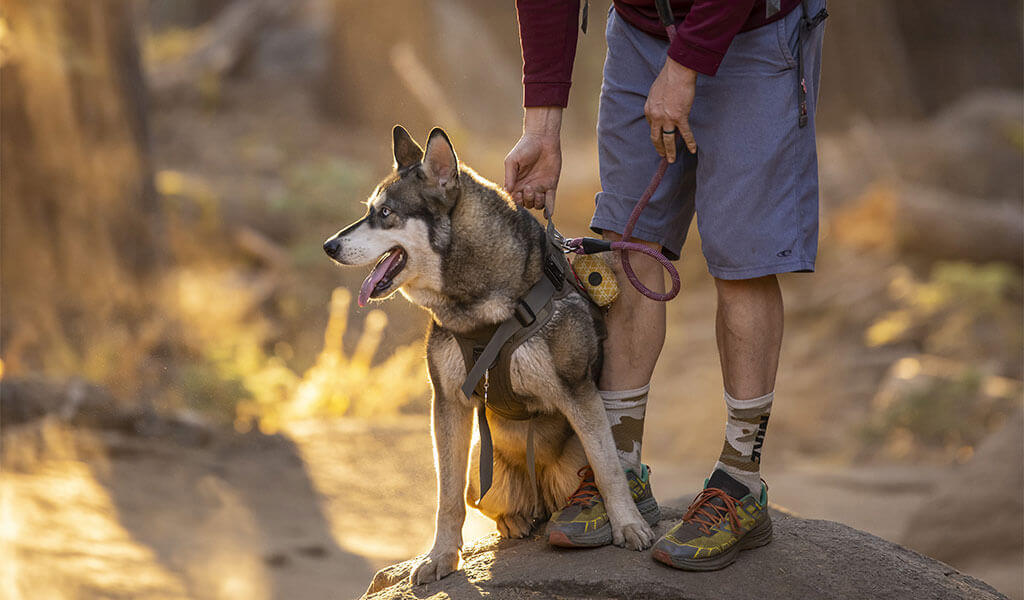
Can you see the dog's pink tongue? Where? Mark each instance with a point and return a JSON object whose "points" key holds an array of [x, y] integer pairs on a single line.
{"points": [[376, 275]]}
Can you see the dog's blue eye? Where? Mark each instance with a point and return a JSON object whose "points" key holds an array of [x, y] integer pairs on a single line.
{"points": [[385, 212]]}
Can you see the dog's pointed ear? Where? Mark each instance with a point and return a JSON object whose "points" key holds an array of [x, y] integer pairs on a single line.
{"points": [[439, 161], [407, 151]]}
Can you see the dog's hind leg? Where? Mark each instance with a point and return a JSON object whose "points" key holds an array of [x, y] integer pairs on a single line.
{"points": [[534, 369], [510, 501], [452, 428]]}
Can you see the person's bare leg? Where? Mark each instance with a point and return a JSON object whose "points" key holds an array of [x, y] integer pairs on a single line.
{"points": [[749, 331], [636, 333], [636, 325]]}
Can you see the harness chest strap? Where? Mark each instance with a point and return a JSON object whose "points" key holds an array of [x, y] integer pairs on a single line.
{"points": [[527, 309]]}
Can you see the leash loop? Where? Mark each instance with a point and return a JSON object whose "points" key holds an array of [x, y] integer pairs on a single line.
{"points": [[624, 246], [586, 245]]}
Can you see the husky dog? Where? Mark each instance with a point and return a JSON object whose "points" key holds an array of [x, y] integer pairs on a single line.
{"points": [[457, 245]]}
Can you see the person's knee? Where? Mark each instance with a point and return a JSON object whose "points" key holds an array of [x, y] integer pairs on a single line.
{"points": [[646, 268], [738, 289]]}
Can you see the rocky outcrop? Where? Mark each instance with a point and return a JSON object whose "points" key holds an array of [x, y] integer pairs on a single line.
{"points": [[975, 519], [807, 559]]}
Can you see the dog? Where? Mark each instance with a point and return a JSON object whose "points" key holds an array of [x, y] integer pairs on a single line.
{"points": [[455, 244]]}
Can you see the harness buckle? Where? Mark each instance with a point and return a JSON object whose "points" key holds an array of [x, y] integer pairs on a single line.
{"points": [[554, 272], [816, 19], [523, 314]]}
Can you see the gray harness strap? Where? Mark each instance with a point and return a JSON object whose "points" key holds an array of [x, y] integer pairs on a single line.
{"points": [[532, 311], [527, 309], [537, 306]]}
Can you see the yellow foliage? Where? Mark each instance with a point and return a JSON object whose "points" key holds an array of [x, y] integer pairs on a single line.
{"points": [[961, 310], [337, 384]]}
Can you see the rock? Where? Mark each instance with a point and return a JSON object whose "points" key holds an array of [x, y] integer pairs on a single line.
{"points": [[807, 559], [976, 516]]}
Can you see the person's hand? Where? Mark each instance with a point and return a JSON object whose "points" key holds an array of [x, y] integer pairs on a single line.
{"points": [[668, 108], [533, 166]]}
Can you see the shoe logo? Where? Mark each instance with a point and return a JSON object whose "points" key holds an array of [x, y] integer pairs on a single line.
{"points": [[762, 427]]}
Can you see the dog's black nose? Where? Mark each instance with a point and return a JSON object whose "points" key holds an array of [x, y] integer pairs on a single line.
{"points": [[331, 247]]}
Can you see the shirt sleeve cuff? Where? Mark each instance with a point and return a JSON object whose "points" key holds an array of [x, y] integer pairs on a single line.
{"points": [[545, 94], [699, 59]]}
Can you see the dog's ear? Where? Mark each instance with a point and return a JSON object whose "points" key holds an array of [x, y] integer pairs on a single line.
{"points": [[439, 161], [407, 151]]}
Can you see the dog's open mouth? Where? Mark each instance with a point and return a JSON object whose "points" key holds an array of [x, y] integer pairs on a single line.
{"points": [[383, 274]]}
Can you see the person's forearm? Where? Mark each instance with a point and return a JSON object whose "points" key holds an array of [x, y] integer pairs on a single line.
{"points": [[548, 33], [542, 120]]}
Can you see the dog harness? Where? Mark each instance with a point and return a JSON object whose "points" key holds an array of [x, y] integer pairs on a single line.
{"points": [[487, 352]]}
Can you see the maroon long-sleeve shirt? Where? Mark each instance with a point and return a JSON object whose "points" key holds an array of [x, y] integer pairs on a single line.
{"points": [[704, 30]]}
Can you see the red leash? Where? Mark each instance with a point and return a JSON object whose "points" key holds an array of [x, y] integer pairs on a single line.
{"points": [[626, 245]]}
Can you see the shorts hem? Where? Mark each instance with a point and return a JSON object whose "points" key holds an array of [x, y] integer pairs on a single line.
{"points": [[791, 266]]}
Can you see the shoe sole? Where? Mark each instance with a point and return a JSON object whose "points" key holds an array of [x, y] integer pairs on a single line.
{"points": [[602, 536], [755, 538]]}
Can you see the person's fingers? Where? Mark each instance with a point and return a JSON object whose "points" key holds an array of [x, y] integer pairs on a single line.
{"points": [[518, 198], [511, 171], [668, 139], [549, 204], [528, 197], [688, 139], [656, 138]]}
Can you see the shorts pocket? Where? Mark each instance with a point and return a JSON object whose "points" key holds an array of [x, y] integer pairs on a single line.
{"points": [[787, 30]]}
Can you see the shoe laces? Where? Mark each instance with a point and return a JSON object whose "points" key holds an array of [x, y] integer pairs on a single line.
{"points": [[705, 514], [587, 494]]}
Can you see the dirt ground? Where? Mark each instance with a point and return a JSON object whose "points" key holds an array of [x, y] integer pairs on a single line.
{"points": [[309, 515]]}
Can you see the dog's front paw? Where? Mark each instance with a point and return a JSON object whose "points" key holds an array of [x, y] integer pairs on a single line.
{"points": [[635, 536], [434, 566]]}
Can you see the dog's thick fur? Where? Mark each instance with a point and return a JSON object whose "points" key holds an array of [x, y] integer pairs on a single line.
{"points": [[470, 253]]}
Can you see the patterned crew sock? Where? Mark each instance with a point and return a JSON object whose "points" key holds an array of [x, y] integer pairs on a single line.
{"points": [[744, 435], [625, 410]]}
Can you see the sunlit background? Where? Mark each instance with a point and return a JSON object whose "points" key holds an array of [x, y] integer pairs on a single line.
{"points": [[194, 407]]}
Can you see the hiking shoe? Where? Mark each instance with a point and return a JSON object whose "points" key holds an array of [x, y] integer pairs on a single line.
{"points": [[584, 523], [722, 520]]}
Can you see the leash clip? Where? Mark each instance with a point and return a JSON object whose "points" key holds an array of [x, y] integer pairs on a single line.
{"points": [[561, 242]]}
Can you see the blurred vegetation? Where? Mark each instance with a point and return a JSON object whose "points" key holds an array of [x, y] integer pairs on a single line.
{"points": [[960, 310], [935, 407], [963, 324], [338, 383]]}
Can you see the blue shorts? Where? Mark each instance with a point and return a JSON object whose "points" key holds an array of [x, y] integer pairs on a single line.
{"points": [[754, 180]]}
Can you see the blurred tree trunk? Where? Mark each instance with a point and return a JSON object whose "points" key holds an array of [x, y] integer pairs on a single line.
{"points": [[377, 51], [865, 67], [956, 48], [78, 218], [888, 60]]}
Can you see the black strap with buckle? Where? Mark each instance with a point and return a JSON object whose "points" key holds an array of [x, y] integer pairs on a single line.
{"points": [[807, 25]]}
